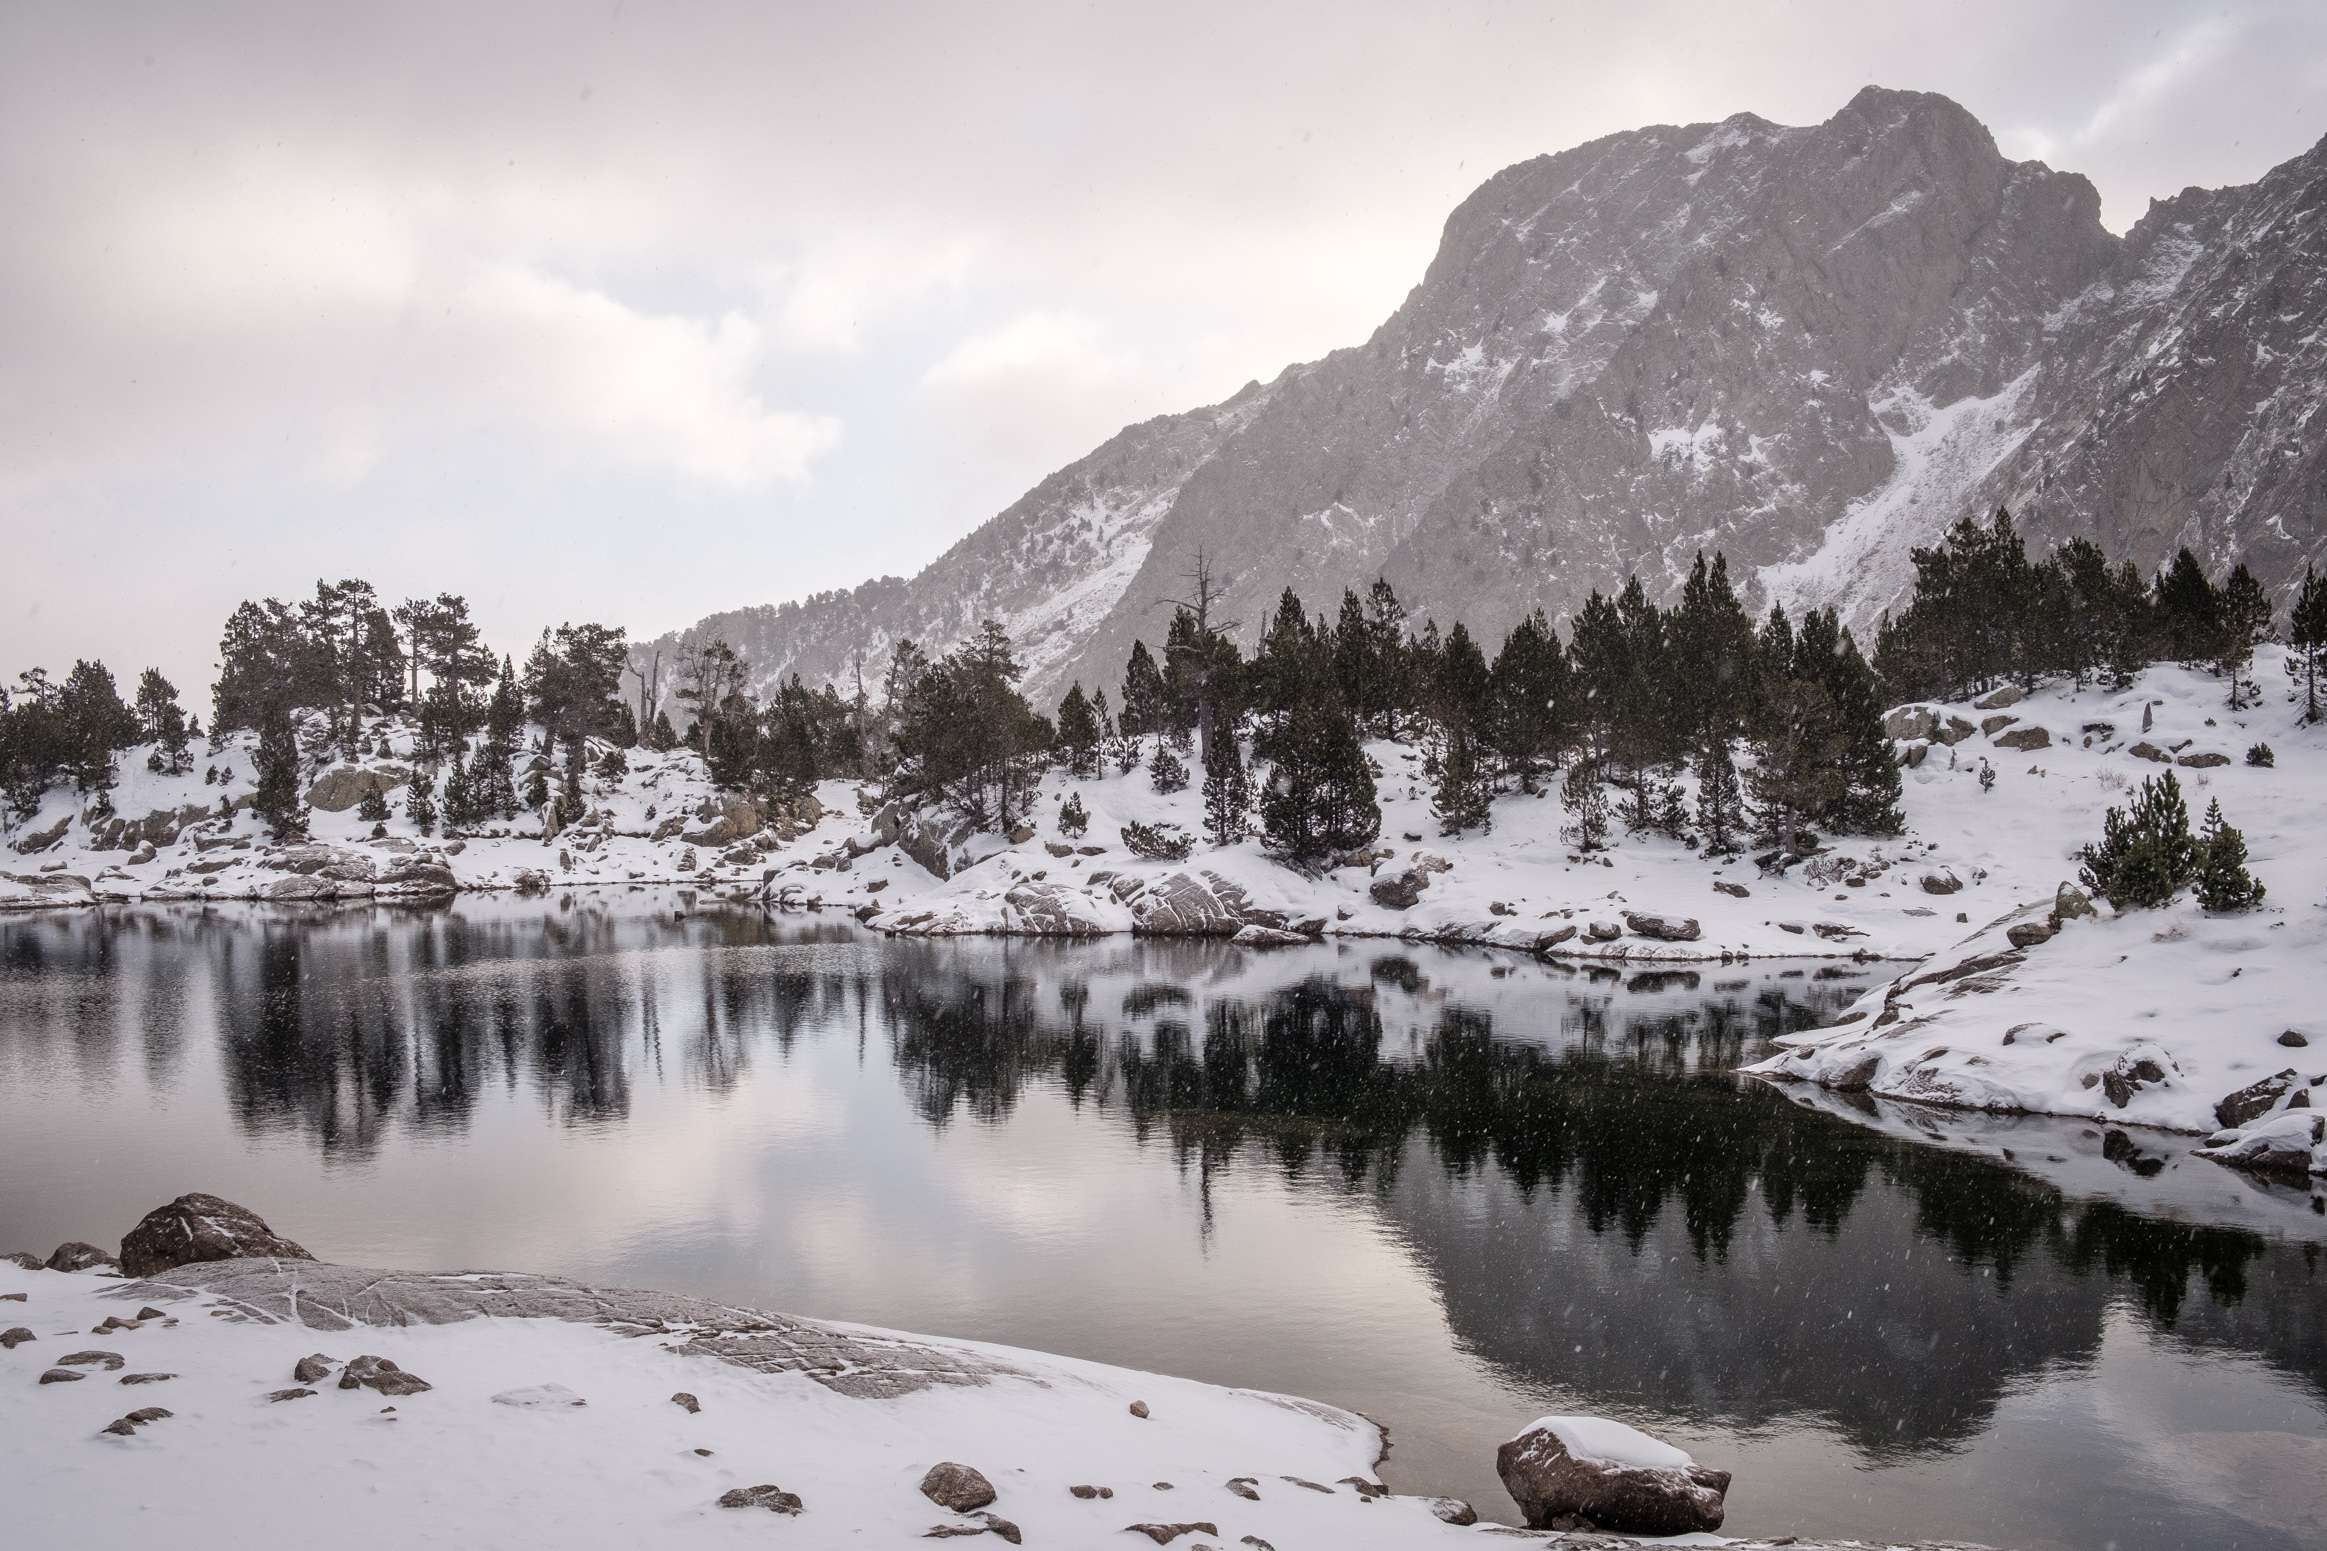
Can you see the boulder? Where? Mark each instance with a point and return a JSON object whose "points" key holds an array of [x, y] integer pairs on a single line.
{"points": [[1991, 725], [2129, 1073], [766, 1495], [2293, 1040], [416, 876], [2151, 752], [127, 1426], [2255, 1100], [2070, 903], [2025, 739], [1590, 1473], [1733, 890], [1546, 941], [1198, 904], [2030, 934], [540, 1397], [198, 1227], [381, 1374], [74, 1255], [1911, 722], [1165, 1534], [956, 1486], [1602, 931], [2206, 761], [1953, 731], [10, 1340], [311, 1368], [2010, 694], [1399, 890], [1941, 882], [1256, 936], [341, 788], [1662, 928], [33, 840], [1051, 910]]}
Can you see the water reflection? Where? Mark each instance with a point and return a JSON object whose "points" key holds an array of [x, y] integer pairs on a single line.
{"points": [[1600, 1213]]}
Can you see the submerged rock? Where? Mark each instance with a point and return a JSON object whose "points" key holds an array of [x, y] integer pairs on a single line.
{"points": [[1591, 1473]]}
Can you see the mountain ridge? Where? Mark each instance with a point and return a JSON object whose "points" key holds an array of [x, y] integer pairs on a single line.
{"points": [[1810, 346]]}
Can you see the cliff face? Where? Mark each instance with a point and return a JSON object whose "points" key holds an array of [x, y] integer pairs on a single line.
{"points": [[1811, 347]]}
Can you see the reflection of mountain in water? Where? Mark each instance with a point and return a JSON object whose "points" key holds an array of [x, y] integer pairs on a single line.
{"points": [[1602, 1208]]}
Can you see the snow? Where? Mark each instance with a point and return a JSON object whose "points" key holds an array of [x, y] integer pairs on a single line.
{"points": [[1939, 455], [1610, 1442], [2065, 1027], [458, 1464]]}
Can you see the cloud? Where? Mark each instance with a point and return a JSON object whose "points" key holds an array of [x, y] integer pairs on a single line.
{"points": [[637, 388], [825, 300], [1038, 390]]}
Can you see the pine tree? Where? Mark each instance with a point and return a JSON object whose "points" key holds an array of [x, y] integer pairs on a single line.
{"points": [[2189, 611], [420, 801], [1143, 694], [1073, 817], [1165, 772], [1720, 798], [1078, 733], [1586, 801], [1868, 803], [277, 800], [1320, 796], [2307, 633], [372, 807], [2146, 854], [2223, 882], [1531, 696], [1709, 654], [2245, 623], [1227, 789]]}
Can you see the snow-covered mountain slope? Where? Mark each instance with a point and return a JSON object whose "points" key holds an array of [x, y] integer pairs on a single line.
{"points": [[1812, 347], [1050, 568]]}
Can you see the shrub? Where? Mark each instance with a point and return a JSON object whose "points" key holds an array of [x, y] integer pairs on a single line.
{"points": [[2261, 756], [1165, 772], [1158, 842], [2146, 854], [2224, 884]]}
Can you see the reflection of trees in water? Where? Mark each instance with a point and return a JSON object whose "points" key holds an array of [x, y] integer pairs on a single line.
{"points": [[1603, 1208], [1739, 1256]]}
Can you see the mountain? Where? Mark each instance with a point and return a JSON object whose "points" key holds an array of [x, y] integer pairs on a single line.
{"points": [[1813, 348]]}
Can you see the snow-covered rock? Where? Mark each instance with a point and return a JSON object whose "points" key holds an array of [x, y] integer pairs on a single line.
{"points": [[1588, 1472]]}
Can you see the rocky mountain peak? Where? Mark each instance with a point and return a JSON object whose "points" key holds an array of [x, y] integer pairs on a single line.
{"points": [[1810, 346]]}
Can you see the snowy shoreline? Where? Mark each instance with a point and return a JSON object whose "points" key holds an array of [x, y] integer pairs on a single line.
{"points": [[522, 1410]]}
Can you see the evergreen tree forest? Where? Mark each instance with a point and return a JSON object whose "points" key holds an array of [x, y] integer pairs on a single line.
{"points": [[1690, 719]]}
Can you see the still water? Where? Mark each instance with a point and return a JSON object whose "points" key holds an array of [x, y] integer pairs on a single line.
{"points": [[1452, 1191]]}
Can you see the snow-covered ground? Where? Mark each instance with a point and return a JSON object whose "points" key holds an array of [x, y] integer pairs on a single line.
{"points": [[2162, 1018], [1968, 856], [553, 1415], [483, 1458], [661, 821]]}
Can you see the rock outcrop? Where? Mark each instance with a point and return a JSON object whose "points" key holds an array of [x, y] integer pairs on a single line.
{"points": [[198, 1227]]}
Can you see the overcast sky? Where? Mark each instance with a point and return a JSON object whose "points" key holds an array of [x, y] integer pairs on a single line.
{"points": [[632, 311]]}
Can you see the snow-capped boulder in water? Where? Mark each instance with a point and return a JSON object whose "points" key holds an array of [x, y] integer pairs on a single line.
{"points": [[1587, 1472], [198, 1227]]}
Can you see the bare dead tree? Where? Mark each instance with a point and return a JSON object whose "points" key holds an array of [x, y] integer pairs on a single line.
{"points": [[1208, 590], [650, 688]]}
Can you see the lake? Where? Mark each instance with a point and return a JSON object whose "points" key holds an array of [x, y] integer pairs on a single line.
{"points": [[1451, 1190]]}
